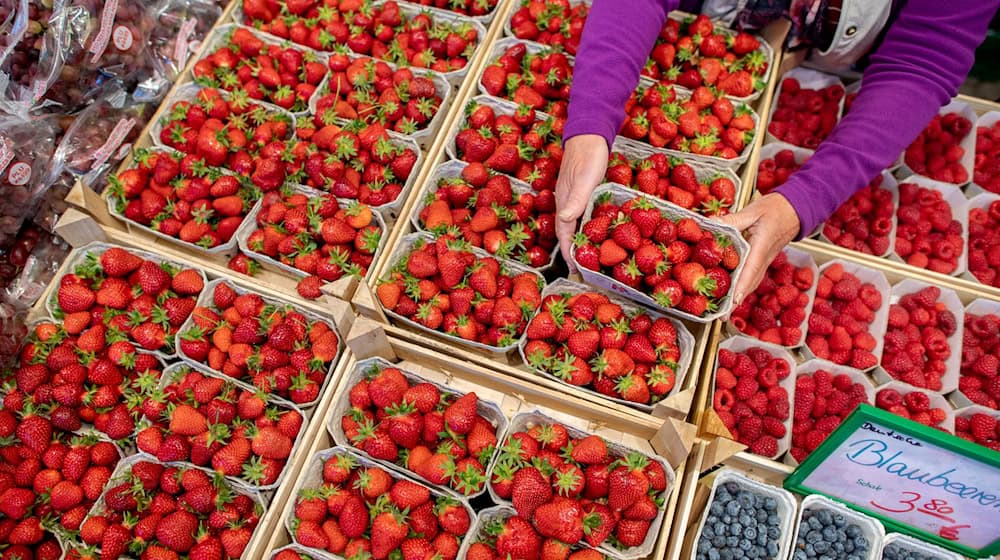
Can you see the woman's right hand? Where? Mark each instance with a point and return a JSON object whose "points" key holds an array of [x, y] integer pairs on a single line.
{"points": [[584, 163]]}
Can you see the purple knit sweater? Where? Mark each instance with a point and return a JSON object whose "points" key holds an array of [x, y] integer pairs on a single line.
{"points": [[919, 67]]}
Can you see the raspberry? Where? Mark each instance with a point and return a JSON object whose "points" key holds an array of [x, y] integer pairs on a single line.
{"points": [[778, 408], [767, 377], [723, 400], [758, 403], [727, 419], [777, 392], [828, 424], [837, 403], [962, 424], [750, 429], [917, 402], [774, 427], [813, 439], [724, 378], [765, 446], [921, 418], [938, 415], [745, 388], [982, 426], [727, 358], [888, 398], [842, 382], [862, 359]]}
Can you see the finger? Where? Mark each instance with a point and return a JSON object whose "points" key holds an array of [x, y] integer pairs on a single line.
{"points": [[754, 267], [740, 220], [565, 231], [576, 202]]}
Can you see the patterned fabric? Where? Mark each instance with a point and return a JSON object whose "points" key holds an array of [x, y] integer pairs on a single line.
{"points": [[751, 15]]}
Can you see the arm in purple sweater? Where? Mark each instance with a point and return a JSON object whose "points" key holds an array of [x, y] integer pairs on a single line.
{"points": [[617, 39], [919, 67]]}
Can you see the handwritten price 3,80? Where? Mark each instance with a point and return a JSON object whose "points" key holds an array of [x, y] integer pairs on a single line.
{"points": [[934, 508]]}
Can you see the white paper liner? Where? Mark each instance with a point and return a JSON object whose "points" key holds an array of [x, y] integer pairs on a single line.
{"points": [[79, 255], [877, 328], [808, 79], [949, 381], [739, 345], [453, 168], [297, 549], [311, 476], [714, 161], [487, 409], [787, 507], [207, 300], [890, 184], [177, 368], [959, 211], [799, 259], [980, 306], [936, 400], [981, 201], [523, 421], [620, 194], [968, 143], [685, 341], [243, 237], [906, 542], [871, 528], [985, 120], [402, 251]]}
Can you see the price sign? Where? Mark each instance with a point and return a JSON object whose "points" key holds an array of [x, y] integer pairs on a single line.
{"points": [[915, 479]]}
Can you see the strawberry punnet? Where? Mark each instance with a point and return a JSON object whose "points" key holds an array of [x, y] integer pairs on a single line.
{"points": [[979, 427], [980, 373], [822, 400], [987, 165], [917, 344], [693, 53], [864, 223], [538, 81], [937, 153], [912, 405], [589, 340], [474, 8], [263, 342], [774, 171], [701, 123], [676, 181], [839, 327], [484, 209], [213, 423], [569, 486], [928, 233], [129, 297], [167, 511], [374, 91], [670, 257], [805, 116], [520, 144], [750, 399], [354, 508], [550, 22], [444, 286], [776, 311], [244, 63], [984, 243], [440, 436], [502, 534], [381, 30], [182, 197]]}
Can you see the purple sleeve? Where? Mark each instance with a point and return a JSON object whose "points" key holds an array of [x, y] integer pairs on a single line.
{"points": [[617, 39], [919, 67]]}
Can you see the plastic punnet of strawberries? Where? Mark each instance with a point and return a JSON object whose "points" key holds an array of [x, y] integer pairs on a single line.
{"points": [[864, 223], [702, 123], [979, 380], [588, 340], [773, 172], [750, 400], [675, 261], [550, 22], [537, 80], [423, 40], [83, 374], [912, 405], [841, 318], [474, 8], [984, 243], [485, 210], [520, 144], [928, 235], [171, 510], [373, 91], [980, 428], [503, 534], [916, 342], [572, 488], [674, 180], [776, 311], [805, 116], [937, 152], [181, 197], [316, 234], [354, 508], [213, 423], [986, 173], [443, 286], [132, 298], [693, 53], [266, 343], [822, 400], [440, 436]]}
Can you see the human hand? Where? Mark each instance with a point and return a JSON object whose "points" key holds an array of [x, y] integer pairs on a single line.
{"points": [[584, 162], [771, 223]]}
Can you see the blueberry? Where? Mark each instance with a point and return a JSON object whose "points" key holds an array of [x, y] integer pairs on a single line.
{"points": [[746, 518], [814, 536], [761, 516], [822, 547], [737, 553], [719, 541], [703, 546], [814, 523], [716, 509], [799, 555], [733, 508], [838, 520], [727, 554], [770, 504], [736, 529], [773, 520], [750, 533], [810, 551], [746, 500], [761, 539], [745, 544], [727, 518], [713, 554], [853, 531], [773, 532], [855, 557], [824, 517], [732, 541], [701, 557], [708, 532], [720, 529], [732, 487], [772, 549], [829, 534], [861, 543]]}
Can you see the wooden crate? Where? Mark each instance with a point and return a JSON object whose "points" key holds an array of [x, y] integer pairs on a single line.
{"points": [[671, 438]]}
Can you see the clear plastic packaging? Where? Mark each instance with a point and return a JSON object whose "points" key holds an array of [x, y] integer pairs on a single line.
{"points": [[907, 544], [26, 149], [870, 527], [179, 27]]}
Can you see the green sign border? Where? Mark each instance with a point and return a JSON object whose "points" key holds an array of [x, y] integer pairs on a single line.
{"points": [[937, 438]]}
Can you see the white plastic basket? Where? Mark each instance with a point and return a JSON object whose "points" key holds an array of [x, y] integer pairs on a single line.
{"points": [[979, 306], [870, 527], [981, 201], [890, 184], [959, 211], [620, 194], [936, 400], [808, 79], [916, 546], [968, 143], [487, 409], [685, 341], [985, 120]]}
